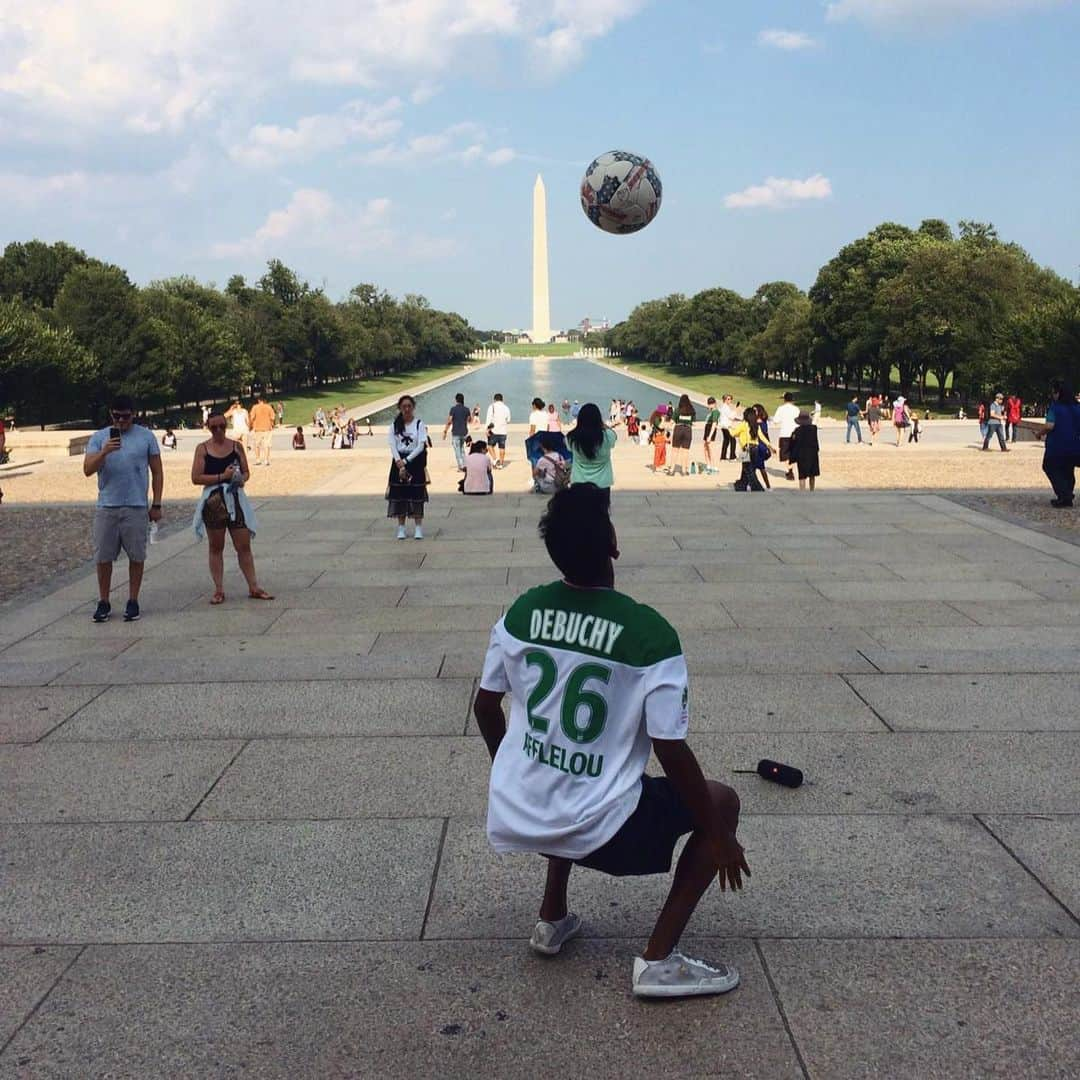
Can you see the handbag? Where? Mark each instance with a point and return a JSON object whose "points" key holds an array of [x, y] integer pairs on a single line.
{"points": [[215, 513]]}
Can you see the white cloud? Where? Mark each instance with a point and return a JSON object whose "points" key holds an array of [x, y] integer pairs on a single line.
{"points": [[465, 142], [160, 66], [269, 144], [314, 220], [775, 193], [898, 13], [788, 40]]}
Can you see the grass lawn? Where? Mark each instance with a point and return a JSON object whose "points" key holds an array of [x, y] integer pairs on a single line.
{"points": [[747, 390], [564, 348]]}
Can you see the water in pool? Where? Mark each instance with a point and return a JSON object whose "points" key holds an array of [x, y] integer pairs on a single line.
{"points": [[519, 380]]}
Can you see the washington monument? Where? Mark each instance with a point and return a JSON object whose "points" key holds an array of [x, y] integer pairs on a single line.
{"points": [[541, 307]]}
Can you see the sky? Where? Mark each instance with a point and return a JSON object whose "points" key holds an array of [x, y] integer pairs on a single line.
{"points": [[397, 141]]}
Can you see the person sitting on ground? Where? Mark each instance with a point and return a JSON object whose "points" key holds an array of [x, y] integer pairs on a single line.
{"points": [[478, 478], [168, 440], [298, 439], [576, 791], [551, 472]]}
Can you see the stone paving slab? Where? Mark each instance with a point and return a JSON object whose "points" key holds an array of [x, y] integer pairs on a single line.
{"points": [[1023, 570], [214, 881], [903, 772], [974, 702], [316, 1010], [441, 619], [243, 710], [227, 620], [869, 591], [1048, 847], [32, 712], [37, 649], [771, 571], [412, 645], [1026, 613], [240, 669], [128, 781], [826, 876], [1017, 661], [32, 672], [829, 613], [312, 646], [982, 1008], [294, 779], [986, 638], [432, 579], [26, 976]]}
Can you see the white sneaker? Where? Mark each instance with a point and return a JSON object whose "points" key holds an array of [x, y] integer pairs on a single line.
{"points": [[681, 976], [418, 533], [401, 532], [549, 938]]}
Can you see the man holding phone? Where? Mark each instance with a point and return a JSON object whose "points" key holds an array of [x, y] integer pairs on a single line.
{"points": [[122, 456]]}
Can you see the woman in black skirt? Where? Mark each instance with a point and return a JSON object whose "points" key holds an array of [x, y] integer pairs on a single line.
{"points": [[406, 489]]}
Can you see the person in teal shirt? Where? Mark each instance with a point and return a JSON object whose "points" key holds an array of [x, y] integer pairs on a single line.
{"points": [[592, 441]]}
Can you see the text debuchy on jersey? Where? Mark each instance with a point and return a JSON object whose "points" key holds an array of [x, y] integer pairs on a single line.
{"points": [[593, 676]]}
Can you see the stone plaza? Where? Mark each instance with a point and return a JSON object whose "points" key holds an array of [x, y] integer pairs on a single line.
{"points": [[249, 840]]}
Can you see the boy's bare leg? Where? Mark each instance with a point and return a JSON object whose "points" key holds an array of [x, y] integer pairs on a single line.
{"points": [[694, 873], [554, 907]]}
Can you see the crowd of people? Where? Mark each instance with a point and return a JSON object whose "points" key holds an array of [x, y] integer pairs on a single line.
{"points": [[125, 457]]}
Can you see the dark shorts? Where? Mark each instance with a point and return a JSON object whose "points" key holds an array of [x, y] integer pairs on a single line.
{"points": [[682, 437], [646, 842], [785, 448], [497, 441]]}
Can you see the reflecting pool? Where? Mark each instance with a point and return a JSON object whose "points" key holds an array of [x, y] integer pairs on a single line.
{"points": [[520, 379]]}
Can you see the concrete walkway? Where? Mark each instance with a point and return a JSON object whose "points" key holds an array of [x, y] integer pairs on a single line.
{"points": [[248, 840]]}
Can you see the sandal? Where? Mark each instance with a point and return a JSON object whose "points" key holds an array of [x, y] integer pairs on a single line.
{"points": [[217, 598], [259, 594]]}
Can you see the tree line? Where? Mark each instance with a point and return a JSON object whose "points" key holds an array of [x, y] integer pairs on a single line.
{"points": [[899, 306], [75, 330]]}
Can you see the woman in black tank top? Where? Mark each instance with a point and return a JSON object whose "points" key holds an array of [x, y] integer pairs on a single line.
{"points": [[217, 462]]}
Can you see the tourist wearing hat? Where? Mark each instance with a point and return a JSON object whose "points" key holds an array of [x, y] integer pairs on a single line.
{"points": [[803, 450], [995, 423]]}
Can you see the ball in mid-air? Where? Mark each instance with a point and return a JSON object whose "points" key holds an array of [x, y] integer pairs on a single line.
{"points": [[621, 192]]}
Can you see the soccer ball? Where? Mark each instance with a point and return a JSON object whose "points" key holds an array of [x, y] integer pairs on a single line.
{"points": [[621, 192]]}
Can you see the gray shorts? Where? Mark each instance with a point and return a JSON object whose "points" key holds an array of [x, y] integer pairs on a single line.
{"points": [[117, 527]]}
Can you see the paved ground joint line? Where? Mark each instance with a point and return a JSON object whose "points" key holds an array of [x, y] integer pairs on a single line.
{"points": [[246, 743], [434, 876], [869, 661], [780, 1009], [847, 682], [469, 707], [41, 1001], [1012, 854], [57, 727]]}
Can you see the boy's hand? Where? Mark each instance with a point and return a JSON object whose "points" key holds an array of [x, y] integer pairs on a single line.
{"points": [[731, 862]]}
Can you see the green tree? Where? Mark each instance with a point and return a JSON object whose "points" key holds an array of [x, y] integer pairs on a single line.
{"points": [[35, 271], [45, 374]]}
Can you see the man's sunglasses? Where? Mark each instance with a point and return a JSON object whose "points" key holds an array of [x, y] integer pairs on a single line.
{"points": [[216, 427], [122, 415]]}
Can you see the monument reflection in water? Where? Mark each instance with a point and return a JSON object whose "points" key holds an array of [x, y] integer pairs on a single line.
{"points": [[519, 380]]}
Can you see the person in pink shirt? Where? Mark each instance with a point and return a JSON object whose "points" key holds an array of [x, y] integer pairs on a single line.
{"points": [[478, 479]]}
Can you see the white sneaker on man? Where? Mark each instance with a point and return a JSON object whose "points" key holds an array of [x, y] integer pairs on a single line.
{"points": [[401, 532], [549, 937], [681, 976]]}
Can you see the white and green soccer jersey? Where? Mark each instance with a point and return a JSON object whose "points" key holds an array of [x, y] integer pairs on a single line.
{"points": [[594, 676]]}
